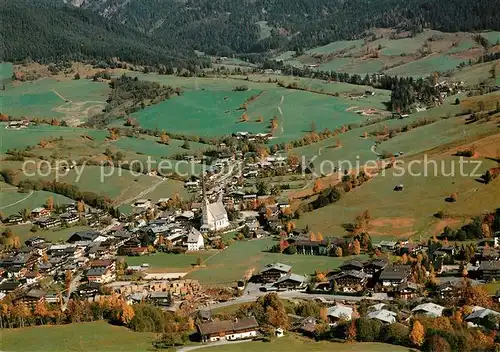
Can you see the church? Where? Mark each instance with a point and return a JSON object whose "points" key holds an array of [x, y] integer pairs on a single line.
{"points": [[214, 216]]}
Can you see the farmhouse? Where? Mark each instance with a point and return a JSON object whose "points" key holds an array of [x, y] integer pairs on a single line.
{"points": [[383, 315], [350, 280], [429, 309], [489, 270], [291, 281], [69, 218], [337, 313], [90, 235], [39, 212], [48, 222], [272, 272], [394, 275], [230, 330]]}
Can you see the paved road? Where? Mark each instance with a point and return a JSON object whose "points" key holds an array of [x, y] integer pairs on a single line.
{"points": [[252, 292], [211, 344]]}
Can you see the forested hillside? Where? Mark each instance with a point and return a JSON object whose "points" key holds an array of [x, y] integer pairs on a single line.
{"points": [[46, 32], [156, 30]]}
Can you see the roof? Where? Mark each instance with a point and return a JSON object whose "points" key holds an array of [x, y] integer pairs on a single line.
{"points": [[383, 315], [216, 210], [353, 262], [96, 272], [218, 326], [430, 309], [339, 311], [354, 273], [194, 236], [277, 266], [490, 265], [480, 312], [291, 277], [9, 285], [84, 235], [395, 272], [35, 293]]}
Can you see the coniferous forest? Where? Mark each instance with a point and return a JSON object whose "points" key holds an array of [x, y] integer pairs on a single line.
{"points": [[160, 31]]}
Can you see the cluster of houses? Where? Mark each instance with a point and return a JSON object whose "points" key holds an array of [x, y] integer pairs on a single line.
{"points": [[44, 218]]}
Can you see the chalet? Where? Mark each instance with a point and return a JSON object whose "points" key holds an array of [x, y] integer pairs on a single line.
{"points": [[69, 218], [7, 287], [394, 275], [90, 235], [32, 298], [33, 241], [230, 330], [375, 266], [478, 314], [163, 299], [88, 290], [306, 326], [272, 272], [350, 281], [383, 315], [142, 203], [337, 313], [352, 265], [451, 286], [428, 309], [40, 212], [14, 219], [195, 241], [31, 277], [387, 245], [99, 275], [407, 290], [489, 270], [291, 281], [48, 222]]}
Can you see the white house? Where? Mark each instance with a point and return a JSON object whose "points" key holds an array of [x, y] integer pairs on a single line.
{"points": [[195, 240]]}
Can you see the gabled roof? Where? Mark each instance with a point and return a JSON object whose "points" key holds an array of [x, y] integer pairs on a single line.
{"points": [[480, 312], [383, 315], [395, 272], [430, 309], [354, 262], [340, 312], [291, 277], [353, 273], [221, 326], [277, 266]]}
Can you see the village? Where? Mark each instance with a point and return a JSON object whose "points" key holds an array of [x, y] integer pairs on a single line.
{"points": [[398, 281]]}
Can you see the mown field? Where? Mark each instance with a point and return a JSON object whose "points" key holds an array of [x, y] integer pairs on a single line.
{"points": [[51, 235], [243, 257], [12, 201], [296, 344], [197, 112], [73, 100], [91, 337], [410, 212], [167, 262]]}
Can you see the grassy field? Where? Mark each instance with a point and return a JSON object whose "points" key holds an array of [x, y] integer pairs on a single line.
{"points": [[72, 100], [298, 344], [91, 337], [410, 213], [31, 136], [427, 65], [11, 201], [55, 235], [336, 46], [169, 262], [241, 257]]}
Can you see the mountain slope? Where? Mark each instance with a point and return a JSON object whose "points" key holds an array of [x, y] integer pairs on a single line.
{"points": [[229, 26], [48, 31]]}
